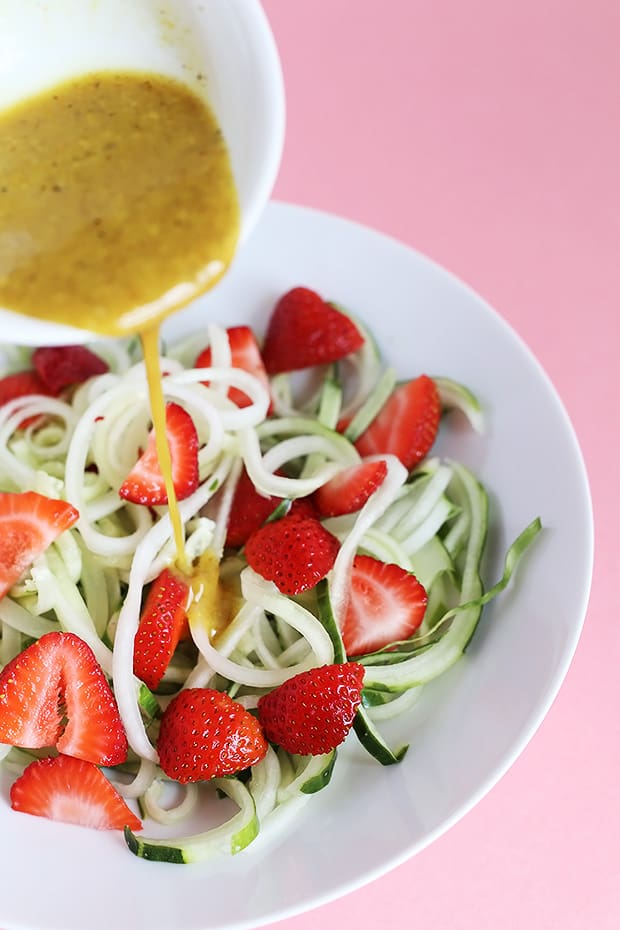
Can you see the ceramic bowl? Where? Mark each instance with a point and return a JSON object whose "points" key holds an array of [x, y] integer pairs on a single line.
{"points": [[223, 49]]}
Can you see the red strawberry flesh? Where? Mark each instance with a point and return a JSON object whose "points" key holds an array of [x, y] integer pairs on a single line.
{"points": [[163, 623], [145, 483], [71, 791], [248, 512], [62, 366], [304, 331], [54, 693], [29, 523], [295, 552], [245, 354], [205, 734], [386, 604], [22, 384], [349, 490], [312, 712], [407, 424]]}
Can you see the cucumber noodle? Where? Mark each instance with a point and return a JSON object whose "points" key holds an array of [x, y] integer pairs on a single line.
{"points": [[92, 580]]}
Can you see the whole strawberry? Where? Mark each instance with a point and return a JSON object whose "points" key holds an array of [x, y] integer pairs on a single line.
{"points": [[294, 552], [312, 712], [205, 734], [304, 330], [61, 366]]}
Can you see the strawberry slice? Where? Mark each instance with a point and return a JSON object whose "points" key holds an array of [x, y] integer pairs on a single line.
{"points": [[245, 354], [295, 552], [313, 712], [54, 693], [29, 523], [205, 734], [145, 483], [163, 624], [22, 384], [406, 425], [72, 791], [304, 331], [386, 604], [349, 490], [61, 366]]}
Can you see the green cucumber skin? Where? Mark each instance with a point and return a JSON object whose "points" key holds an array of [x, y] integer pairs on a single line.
{"points": [[328, 620], [245, 836], [373, 744], [320, 781], [146, 850]]}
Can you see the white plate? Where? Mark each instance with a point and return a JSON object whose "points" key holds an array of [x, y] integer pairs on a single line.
{"points": [[467, 730]]}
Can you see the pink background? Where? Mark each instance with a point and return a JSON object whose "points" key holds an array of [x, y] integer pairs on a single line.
{"points": [[486, 134]]}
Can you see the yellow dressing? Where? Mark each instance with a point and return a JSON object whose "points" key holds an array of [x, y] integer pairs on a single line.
{"points": [[150, 348], [117, 207], [117, 202], [213, 604]]}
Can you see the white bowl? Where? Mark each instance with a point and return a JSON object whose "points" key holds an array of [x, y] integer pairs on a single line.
{"points": [[223, 49]]}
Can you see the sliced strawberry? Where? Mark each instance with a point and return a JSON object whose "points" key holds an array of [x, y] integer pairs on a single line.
{"points": [[205, 734], [22, 384], [248, 512], [145, 482], [312, 712], [349, 490], [386, 604], [72, 791], [163, 624], [294, 552], [406, 425], [54, 693], [304, 331], [61, 366], [29, 523], [245, 354]]}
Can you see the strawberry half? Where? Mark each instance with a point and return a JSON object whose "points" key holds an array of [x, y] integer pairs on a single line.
{"points": [[54, 693], [62, 366], [304, 331], [22, 384], [245, 354], [386, 604], [72, 791], [294, 552], [312, 712], [205, 734], [145, 483], [248, 511], [29, 523], [349, 490], [162, 624], [406, 425]]}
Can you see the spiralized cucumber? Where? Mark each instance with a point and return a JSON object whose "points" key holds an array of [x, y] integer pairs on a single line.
{"points": [[432, 522], [229, 838]]}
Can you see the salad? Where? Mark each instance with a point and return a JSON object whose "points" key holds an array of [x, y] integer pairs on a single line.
{"points": [[331, 568]]}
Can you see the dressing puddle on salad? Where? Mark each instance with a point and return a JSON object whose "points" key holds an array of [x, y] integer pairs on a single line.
{"points": [[117, 207]]}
